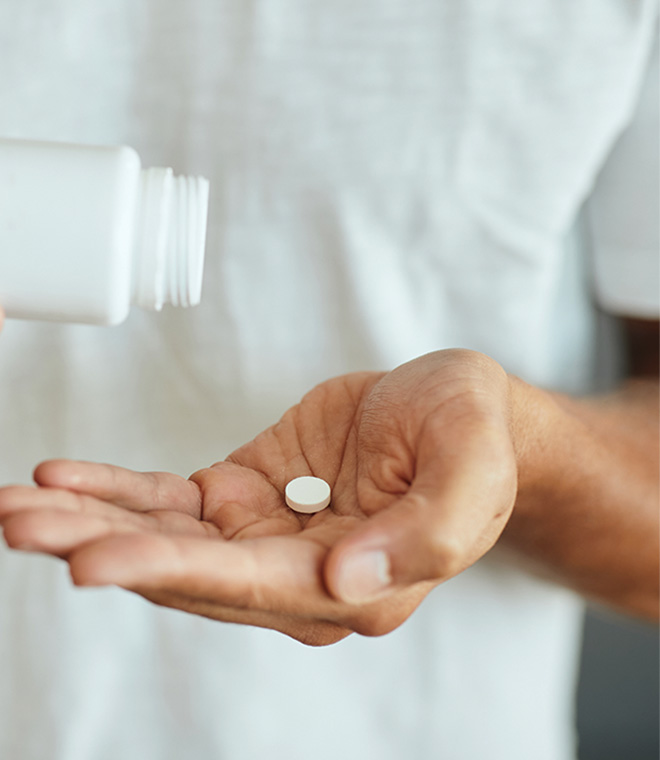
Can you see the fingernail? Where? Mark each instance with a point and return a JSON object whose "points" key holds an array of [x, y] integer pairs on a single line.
{"points": [[363, 575]]}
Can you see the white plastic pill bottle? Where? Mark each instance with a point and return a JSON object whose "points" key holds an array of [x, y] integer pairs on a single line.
{"points": [[85, 233]]}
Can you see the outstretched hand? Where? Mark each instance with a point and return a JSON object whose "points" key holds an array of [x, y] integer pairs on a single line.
{"points": [[423, 477]]}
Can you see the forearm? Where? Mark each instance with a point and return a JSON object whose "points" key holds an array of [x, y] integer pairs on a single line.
{"points": [[587, 504]]}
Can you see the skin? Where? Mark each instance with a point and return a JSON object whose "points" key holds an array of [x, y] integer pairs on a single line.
{"points": [[430, 466]]}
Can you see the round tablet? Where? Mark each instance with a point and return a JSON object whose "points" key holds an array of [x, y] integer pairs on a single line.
{"points": [[307, 494]]}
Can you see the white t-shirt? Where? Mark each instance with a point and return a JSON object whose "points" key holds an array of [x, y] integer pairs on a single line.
{"points": [[389, 177]]}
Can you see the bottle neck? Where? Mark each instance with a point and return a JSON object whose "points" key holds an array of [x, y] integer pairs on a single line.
{"points": [[170, 236]]}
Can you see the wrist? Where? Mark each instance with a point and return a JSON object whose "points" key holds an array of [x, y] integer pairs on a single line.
{"points": [[539, 424]]}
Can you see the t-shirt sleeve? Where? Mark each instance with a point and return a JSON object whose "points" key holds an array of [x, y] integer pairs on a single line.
{"points": [[624, 213]]}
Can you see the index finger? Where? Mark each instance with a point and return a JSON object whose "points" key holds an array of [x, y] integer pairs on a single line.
{"points": [[138, 491]]}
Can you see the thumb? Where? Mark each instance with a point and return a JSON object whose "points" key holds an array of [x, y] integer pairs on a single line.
{"points": [[453, 512]]}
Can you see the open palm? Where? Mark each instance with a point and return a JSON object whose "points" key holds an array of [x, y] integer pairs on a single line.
{"points": [[423, 480]]}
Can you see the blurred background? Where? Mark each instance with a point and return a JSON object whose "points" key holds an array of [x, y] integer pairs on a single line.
{"points": [[618, 696]]}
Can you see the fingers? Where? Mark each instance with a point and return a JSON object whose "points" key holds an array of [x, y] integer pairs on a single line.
{"points": [[85, 530], [56, 521], [275, 582], [23, 498], [139, 491], [17, 499], [271, 574], [453, 512], [56, 533]]}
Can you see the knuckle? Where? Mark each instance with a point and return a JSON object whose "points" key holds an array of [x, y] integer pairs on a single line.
{"points": [[201, 476]]}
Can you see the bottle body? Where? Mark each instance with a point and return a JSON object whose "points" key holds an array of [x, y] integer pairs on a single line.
{"points": [[81, 240]]}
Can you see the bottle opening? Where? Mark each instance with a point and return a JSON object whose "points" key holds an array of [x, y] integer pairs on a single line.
{"points": [[170, 239]]}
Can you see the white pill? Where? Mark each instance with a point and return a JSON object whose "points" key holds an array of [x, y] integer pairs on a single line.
{"points": [[307, 494]]}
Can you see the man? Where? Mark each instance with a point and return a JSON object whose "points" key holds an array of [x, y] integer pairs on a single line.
{"points": [[389, 183]]}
